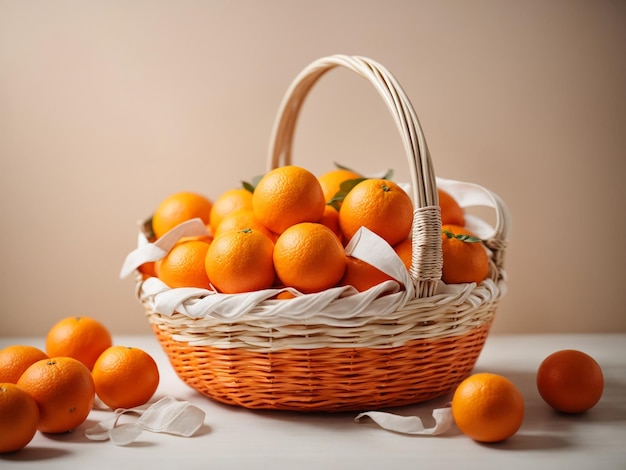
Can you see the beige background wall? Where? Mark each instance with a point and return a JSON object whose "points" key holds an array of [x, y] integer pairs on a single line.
{"points": [[107, 107]]}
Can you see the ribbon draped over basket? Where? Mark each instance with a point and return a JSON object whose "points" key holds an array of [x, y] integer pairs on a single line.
{"points": [[398, 343]]}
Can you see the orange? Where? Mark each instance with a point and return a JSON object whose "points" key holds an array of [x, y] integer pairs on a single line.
{"points": [[19, 417], [362, 275], [404, 250], [183, 266], [125, 377], [330, 218], [309, 257], [570, 381], [464, 256], [286, 196], [64, 391], [284, 295], [14, 360], [451, 212], [380, 205], [227, 202], [178, 208], [82, 338], [331, 181], [148, 269], [488, 407], [240, 219], [240, 261]]}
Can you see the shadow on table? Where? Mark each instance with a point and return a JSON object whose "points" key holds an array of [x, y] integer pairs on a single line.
{"points": [[542, 429], [33, 453]]}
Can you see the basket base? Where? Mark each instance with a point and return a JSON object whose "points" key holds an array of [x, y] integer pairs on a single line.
{"points": [[327, 379]]}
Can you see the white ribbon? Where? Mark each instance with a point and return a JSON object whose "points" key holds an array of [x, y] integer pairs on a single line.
{"points": [[411, 424], [167, 415], [146, 252]]}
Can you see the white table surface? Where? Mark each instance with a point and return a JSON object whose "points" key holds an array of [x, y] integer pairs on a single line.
{"points": [[236, 438]]}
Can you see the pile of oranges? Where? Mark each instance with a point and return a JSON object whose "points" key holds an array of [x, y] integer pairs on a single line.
{"points": [[289, 229], [54, 391]]}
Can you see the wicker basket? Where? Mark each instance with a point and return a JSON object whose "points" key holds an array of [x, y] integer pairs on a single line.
{"points": [[269, 359]]}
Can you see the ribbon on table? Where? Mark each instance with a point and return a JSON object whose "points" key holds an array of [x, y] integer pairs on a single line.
{"points": [[167, 415], [411, 424]]}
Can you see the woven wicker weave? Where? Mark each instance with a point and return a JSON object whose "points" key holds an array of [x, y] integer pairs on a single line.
{"points": [[419, 351]]}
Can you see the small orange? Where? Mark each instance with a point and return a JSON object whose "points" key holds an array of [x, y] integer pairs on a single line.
{"points": [[488, 407], [309, 257], [331, 181], [451, 212], [240, 261], [285, 295], [240, 219], [19, 417], [178, 208], [464, 256], [82, 338], [570, 381], [15, 359], [229, 201], [286, 196], [148, 269], [183, 266], [330, 218], [125, 377], [64, 391], [362, 275], [380, 205], [404, 250]]}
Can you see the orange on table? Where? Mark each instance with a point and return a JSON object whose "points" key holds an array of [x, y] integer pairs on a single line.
{"points": [[380, 205], [19, 417], [451, 212], [125, 377], [227, 202], [15, 359], [240, 261], [286, 196], [465, 259], [309, 257], [183, 266], [331, 181], [362, 275], [179, 207], [488, 407], [330, 218], [82, 338], [241, 219], [64, 391], [570, 381]]}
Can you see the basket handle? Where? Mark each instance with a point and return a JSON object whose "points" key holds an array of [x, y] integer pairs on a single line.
{"points": [[427, 259], [422, 174]]}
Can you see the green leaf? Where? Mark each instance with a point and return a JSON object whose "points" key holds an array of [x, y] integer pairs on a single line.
{"points": [[343, 167], [462, 236], [388, 175], [344, 188], [251, 185]]}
